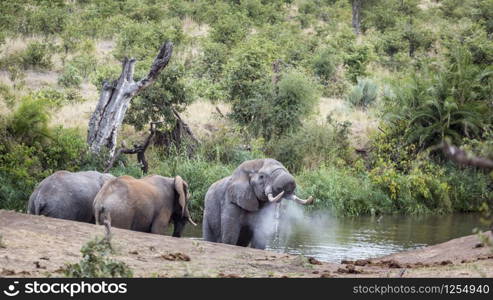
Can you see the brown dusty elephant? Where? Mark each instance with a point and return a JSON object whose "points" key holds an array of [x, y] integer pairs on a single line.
{"points": [[148, 204], [239, 209], [67, 195]]}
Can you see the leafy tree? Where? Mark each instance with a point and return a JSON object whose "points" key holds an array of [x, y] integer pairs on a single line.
{"points": [[157, 101]]}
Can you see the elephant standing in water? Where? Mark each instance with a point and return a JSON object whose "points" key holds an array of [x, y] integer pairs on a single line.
{"points": [[239, 209], [67, 195], [148, 204]]}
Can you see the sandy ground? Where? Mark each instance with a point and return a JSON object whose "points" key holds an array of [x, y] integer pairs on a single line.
{"points": [[36, 246]]}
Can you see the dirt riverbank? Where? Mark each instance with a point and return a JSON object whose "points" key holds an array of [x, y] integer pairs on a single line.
{"points": [[36, 246]]}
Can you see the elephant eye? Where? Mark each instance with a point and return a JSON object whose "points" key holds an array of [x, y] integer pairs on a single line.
{"points": [[261, 176]]}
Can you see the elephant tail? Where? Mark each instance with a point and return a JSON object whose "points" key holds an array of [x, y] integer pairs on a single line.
{"points": [[100, 215], [35, 205]]}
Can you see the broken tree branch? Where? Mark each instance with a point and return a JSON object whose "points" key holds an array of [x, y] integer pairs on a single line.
{"points": [[137, 149], [463, 158], [185, 126], [115, 98]]}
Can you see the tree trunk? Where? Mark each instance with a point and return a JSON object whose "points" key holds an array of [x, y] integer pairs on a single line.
{"points": [[115, 98], [356, 9], [175, 136]]}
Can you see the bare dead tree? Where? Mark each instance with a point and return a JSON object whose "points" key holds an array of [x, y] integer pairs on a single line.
{"points": [[115, 98], [137, 149]]}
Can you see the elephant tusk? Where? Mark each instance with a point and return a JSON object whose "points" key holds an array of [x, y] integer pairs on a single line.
{"points": [[276, 198], [301, 201], [191, 221]]}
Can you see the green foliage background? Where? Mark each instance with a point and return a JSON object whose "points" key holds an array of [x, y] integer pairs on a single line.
{"points": [[422, 67]]}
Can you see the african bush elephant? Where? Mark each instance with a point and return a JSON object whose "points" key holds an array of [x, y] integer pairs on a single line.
{"points": [[67, 195], [239, 209], [148, 204]]}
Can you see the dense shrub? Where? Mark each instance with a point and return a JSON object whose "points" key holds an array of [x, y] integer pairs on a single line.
{"points": [[142, 40], [324, 63], [343, 192], [364, 93], [313, 146], [229, 29], [70, 77], [450, 103], [95, 262], [249, 68], [30, 151], [37, 55], [277, 109]]}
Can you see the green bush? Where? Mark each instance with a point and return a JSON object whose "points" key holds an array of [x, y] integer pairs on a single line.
{"points": [[451, 102], [37, 55], [248, 68], [313, 146], [96, 264], [469, 188], [30, 151], [342, 192], [142, 40], [230, 146], [229, 29], [70, 77], [364, 93], [423, 190], [105, 72], [324, 63]]}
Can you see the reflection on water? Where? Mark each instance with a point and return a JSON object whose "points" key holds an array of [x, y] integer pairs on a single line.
{"points": [[327, 238]]}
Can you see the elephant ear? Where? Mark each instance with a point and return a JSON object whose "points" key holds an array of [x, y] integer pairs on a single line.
{"points": [[241, 193], [181, 188]]}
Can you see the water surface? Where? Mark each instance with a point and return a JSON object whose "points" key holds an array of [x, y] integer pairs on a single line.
{"points": [[328, 238]]}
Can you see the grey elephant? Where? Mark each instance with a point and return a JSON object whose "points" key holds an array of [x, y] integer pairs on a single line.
{"points": [[67, 195], [148, 204], [239, 209]]}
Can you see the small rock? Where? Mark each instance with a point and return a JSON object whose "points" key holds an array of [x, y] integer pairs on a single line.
{"points": [[134, 252], [176, 256], [362, 262], [394, 264], [479, 245], [326, 275], [44, 258], [7, 272], [38, 265], [315, 272], [24, 273], [446, 262], [314, 261], [347, 262], [351, 269], [342, 271]]}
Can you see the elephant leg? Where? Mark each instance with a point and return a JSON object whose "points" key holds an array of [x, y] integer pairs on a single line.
{"points": [[207, 233], [231, 225], [160, 223], [246, 235], [179, 226]]}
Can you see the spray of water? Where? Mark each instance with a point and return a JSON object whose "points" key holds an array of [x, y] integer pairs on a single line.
{"points": [[279, 223]]}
